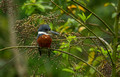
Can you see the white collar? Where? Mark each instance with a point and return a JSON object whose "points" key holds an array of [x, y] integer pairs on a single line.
{"points": [[42, 33]]}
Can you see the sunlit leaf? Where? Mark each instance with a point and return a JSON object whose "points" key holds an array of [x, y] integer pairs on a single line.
{"points": [[81, 16], [51, 26], [78, 48], [61, 12], [41, 7], [57, 52], [77, 67], [74, 11], [64, 29], [33, 1], [113, 4], [70, 38], [118, 49], [81, 28], [73, 6], [97, 60], [89, 16], [106, 4], [91, 57], [114, 15], [81, 8], [48, 7], [92, 71], [68, 70]]}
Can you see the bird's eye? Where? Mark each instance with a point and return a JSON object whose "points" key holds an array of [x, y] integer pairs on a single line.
{"points": [[46, 29]]}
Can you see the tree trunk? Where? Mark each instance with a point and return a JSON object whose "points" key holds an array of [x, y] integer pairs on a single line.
{"points": [[20, 63]]}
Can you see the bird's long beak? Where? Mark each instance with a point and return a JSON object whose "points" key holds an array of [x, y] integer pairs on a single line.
{"points": [[53, 32]]}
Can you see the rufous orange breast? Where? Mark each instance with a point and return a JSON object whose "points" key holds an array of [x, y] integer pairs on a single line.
{"points": [[44, 41]]}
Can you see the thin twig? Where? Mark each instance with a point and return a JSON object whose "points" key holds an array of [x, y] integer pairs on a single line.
{"points": [[96, 25]]}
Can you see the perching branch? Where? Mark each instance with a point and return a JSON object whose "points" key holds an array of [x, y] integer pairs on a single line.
{"points": [[55, 50]]}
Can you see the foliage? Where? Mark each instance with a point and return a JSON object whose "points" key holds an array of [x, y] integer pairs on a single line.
{"points": [[34, 6], [83, 17], [79, 28]]}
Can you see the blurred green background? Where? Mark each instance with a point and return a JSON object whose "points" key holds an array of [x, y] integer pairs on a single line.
{"points": [[26, 8]]}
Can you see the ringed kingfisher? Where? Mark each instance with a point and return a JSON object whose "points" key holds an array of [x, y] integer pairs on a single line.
{"points": [[44, 39]]}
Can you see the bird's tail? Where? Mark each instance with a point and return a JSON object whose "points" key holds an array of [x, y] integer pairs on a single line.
{"points": [[39, 51]]}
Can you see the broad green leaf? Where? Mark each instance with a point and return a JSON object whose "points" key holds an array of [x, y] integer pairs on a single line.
{"points": [[118, 49], [113, 4], [30, 11], [57, 52], [48, 7], [97, 60], [33, 1], [78, 48], [114, 15], [106, 4], [41, 7], [91, 57], [68, 70], [51, 26], [92, 71], [77, 67]]}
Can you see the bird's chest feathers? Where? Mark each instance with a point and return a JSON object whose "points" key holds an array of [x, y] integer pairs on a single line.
{"points": [[45, 37], [44, 40]]}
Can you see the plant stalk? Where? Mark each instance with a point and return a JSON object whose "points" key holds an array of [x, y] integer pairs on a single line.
{"points": [[115, 40]]}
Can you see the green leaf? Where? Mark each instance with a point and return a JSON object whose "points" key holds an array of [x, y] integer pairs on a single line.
{"points": [[78, 48], [92, 71], [83, 17], [114, 15], [97, 60], [48, 7], [51, 26], [40, 7], [89, 16], [64, 45], [118, 49], [68, 70], [30, 11], [33, 1], [113, 4], [57, 52], [77, 67]]}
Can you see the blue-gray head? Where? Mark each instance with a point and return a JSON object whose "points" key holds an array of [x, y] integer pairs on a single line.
{"points": [[45, 29]]}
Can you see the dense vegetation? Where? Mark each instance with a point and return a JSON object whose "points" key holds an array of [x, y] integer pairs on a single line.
{"points": [[88, 44]]}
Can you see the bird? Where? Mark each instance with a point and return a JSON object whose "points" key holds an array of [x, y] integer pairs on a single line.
{"points": [[44, 39]]}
